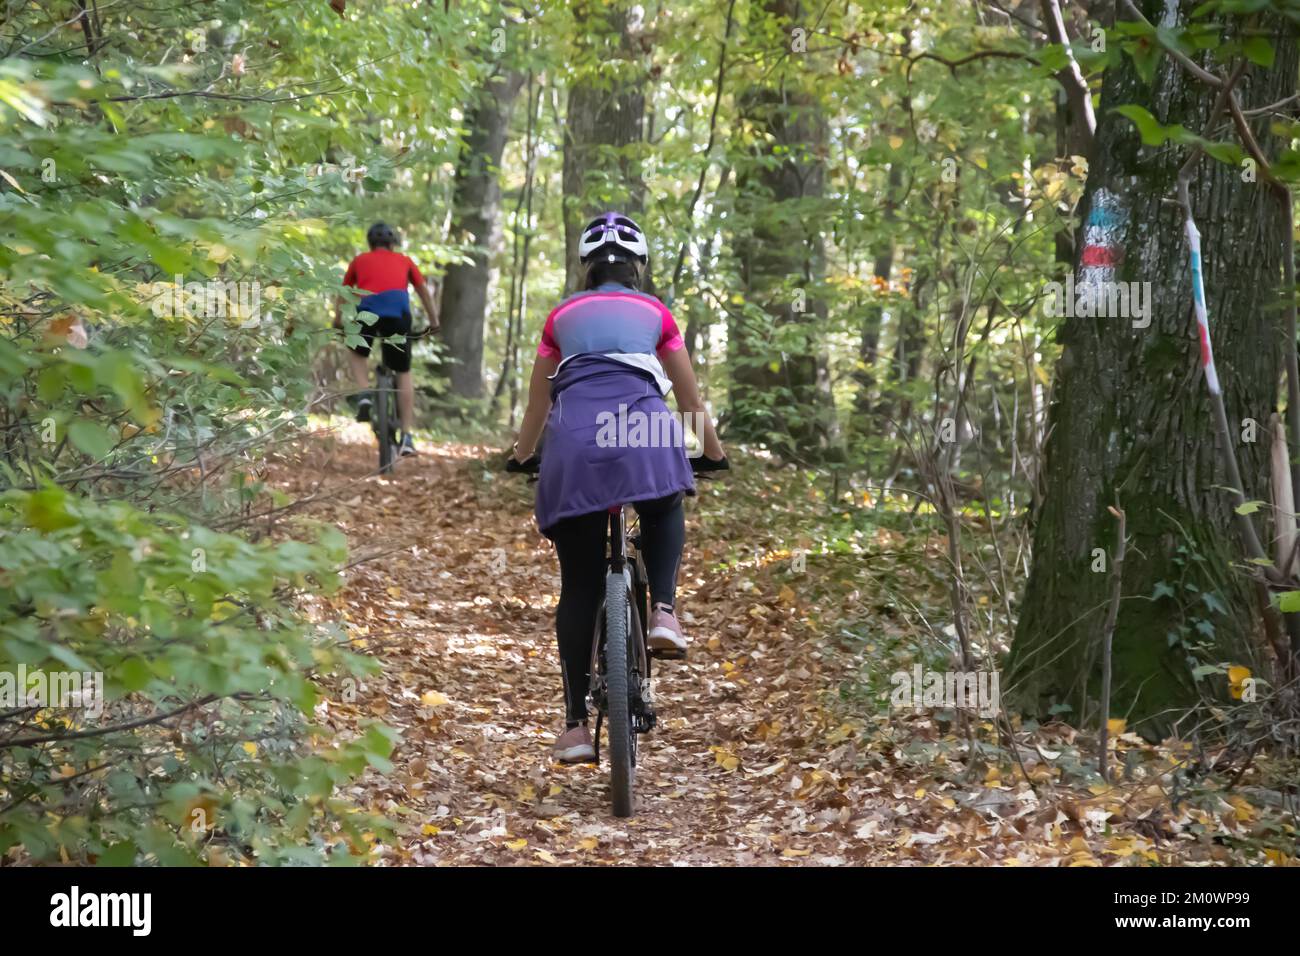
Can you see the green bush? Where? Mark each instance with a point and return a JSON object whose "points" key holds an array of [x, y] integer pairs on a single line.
{"points": [[181, 621], [135, 437]]}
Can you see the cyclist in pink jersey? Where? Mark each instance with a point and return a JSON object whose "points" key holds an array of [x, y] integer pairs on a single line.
{"points": [[610, 350]]}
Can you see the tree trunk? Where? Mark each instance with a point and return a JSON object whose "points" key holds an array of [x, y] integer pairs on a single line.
{"points": [[467, 287], [780, 384], [604, 124], [1130, 419], [873, 315]]}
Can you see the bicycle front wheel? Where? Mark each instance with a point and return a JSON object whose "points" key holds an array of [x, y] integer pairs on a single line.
{"points": [[618, 663]]}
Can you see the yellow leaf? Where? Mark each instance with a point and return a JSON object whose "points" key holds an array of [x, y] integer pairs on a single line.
{"points": [[1081, 853], [394, 591], [895, 142], [250, 748], [725, 758], [516, 845], [222, 610], [1238, 676], [546, 857], [1116, 725], [430, 830], [787, 595], [791, 851], [843, 732], [431, 698], [590, 843], [1242, 809]]}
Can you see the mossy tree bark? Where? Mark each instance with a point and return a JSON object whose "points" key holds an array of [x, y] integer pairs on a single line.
{"points": [[1131, 418]]}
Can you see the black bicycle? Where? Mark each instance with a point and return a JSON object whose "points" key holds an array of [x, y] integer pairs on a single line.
{"points": [[620, 691], [384, 414]]}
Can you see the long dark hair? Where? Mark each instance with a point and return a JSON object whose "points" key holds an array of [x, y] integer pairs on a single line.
{"points": [[623, 271]]}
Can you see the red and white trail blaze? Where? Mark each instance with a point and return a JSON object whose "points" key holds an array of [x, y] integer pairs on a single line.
{"points": [[1202, 314]]}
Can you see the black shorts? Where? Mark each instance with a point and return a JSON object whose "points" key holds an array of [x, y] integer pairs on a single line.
{"points": [[396, 356]]}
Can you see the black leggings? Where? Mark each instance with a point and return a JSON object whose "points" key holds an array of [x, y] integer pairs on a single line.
{"points": [[580, 545]]}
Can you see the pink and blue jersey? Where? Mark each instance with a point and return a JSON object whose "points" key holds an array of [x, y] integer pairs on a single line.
{"points": [[610, 320], [609, 342]]}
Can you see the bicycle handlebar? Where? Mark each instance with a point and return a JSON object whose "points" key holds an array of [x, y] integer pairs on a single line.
{"points": [[429, 328], [702, 466]]}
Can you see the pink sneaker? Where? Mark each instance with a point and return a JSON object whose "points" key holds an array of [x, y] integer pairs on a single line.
{"points": [[665, 638], [574, 746]]}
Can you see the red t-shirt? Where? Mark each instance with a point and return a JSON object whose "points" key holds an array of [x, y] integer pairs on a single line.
{"points": [[382, 270]]}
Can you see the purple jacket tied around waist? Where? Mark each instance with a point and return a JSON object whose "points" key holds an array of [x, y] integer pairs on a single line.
{"points": [[591, 464]]}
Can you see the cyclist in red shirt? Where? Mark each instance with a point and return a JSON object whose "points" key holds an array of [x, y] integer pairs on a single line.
{"points": [[383, 274]]}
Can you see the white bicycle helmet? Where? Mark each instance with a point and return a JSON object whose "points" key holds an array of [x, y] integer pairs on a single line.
{"points": [[614, 236]]}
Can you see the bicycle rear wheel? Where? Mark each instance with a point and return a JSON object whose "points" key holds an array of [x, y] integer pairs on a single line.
{"points": [[618, 662], [383, 422]]}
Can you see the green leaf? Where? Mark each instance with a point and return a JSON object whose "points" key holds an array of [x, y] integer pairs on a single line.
{"points": [[1259, 51], [118, 854], [90, 437], [49, 384], [133, 674], [1153, 133], [47, 510], [1146, 57]]}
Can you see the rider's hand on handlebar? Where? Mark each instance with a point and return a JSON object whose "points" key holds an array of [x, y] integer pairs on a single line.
{"points": [[702, 465], [527, 467]]}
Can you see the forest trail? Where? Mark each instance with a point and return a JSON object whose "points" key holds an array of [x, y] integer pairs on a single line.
{"points": [[758, 758], [460, 615]]}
